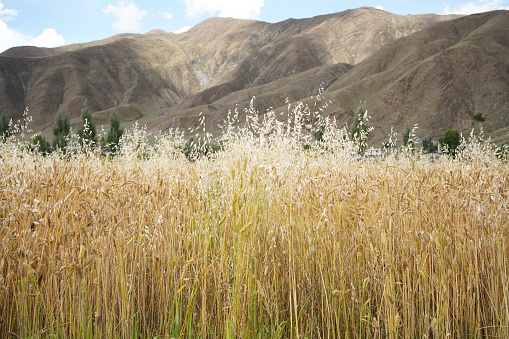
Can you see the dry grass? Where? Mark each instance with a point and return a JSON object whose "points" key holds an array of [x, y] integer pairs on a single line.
{"points": [[262, 240]]}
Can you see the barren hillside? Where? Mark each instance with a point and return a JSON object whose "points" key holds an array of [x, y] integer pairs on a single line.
{"points": [[212, 65]]}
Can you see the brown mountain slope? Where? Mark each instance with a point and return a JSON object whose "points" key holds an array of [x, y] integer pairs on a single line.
{"points": [[294, 46], [438, 78], [158, 70], [274, 94], [103, 75]]}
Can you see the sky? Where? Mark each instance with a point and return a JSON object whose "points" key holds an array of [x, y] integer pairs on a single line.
{"points": [[53, 23]]}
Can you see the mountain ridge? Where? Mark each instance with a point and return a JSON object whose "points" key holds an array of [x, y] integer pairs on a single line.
{"points": [[167, 79], [443, 69]]}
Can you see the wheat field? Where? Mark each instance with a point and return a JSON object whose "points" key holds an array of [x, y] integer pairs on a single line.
{"points": [[263, 239]]}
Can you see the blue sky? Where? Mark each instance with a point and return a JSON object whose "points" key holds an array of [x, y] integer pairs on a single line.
{"points": [[51, 23]]}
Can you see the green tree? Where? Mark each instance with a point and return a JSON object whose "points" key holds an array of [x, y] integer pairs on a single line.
{"points": [[429, 146], [502, 152], [87, 132], [452, 139], [360, 128], [61, 130], [41, 144], [5, 128], [406, 135], [318, 131], [479, 117], [115, 132], [103, 142]]}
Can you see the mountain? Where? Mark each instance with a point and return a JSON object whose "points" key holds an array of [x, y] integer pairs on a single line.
{"points": [[438, 77], [404, 67], [176, 75]]}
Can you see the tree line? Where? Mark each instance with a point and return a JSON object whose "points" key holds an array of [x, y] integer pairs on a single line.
{"points": [[86, 132]]}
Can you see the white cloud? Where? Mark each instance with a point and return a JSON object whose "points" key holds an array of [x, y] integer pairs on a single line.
{"points": [[168, 15], [247, 9], [479, 6], [12, 38], [380, 7], [183, 29], [7, 11], [127, 14], [49, 38]]}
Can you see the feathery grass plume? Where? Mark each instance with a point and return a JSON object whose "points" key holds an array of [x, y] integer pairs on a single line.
{"points": [[87, 131], [360, 128]]}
